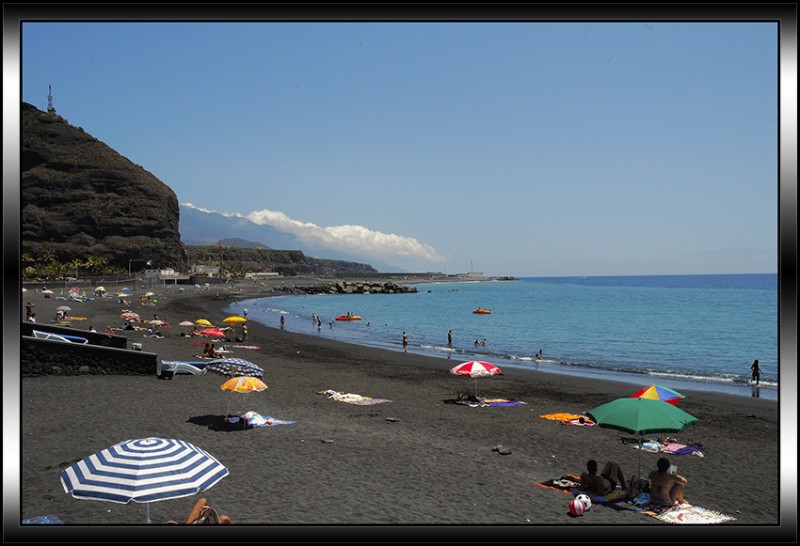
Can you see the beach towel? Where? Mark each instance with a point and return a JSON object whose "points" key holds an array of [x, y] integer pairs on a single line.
{"points": [[666, 446], [42, 520], [500, 402], [351, 398], [694, 514], [674, 448], [254, 419], [571, 483], [680, 514], [495, 402], [565, 484], [570, 419]]}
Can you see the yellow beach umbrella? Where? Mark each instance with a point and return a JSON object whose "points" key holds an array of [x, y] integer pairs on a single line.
{"points": [[234, 318], [203, 322]]}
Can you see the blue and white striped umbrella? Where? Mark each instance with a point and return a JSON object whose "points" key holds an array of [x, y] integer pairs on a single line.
{"points": [[234, 367], [145, 470]]}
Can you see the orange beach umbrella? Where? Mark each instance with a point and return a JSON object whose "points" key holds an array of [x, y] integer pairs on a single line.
{"points": [[243, 384]]}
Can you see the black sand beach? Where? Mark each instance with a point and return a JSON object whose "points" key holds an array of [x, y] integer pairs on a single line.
{"points": [[417, 460]]}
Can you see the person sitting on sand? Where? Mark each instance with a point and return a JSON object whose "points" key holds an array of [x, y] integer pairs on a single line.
{"points": [[666, 489], [203, 514], [606, 482], [210, 351], [464, 397]]}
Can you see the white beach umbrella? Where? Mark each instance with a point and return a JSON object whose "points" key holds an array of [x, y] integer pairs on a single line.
{"points": [[145, 470]]}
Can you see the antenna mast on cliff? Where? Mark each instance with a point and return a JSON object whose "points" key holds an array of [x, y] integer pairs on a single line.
{"points": [[50, 108]]}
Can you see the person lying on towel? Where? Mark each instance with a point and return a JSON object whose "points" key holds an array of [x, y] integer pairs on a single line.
{"points": [[606, 481]]}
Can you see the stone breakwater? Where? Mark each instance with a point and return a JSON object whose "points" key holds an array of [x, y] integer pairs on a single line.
{"points": [[348, 287]]}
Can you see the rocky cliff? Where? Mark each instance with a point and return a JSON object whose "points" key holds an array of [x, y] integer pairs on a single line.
{"points": [[80, 198]]}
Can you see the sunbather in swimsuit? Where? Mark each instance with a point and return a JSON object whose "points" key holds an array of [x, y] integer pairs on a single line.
{"points": [[606, 482], [666, 489]]}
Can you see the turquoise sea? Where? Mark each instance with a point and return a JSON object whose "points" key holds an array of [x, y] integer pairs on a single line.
{"points": [[699, 332]]}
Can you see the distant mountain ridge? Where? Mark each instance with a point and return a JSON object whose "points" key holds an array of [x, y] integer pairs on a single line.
{"points": [[200, 227], [241, 243]]}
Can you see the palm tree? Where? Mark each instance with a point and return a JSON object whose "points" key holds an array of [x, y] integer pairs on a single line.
{"points": [[74, 265], [96, 264], [47, 255]]}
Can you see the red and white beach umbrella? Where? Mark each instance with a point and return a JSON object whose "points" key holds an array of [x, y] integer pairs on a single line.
{"points": [[475, 369], [212, 332]]}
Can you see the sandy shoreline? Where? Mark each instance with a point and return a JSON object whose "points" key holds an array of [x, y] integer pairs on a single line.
{"points": [[417, 460]]}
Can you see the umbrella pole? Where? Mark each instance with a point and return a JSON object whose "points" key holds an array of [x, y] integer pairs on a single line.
{"points": [[639, 472], [148, 513]]}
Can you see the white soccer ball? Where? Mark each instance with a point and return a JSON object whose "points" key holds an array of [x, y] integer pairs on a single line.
{"points": [[585, 500]]}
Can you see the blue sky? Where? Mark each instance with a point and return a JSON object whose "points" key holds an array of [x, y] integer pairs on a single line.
{"points": [[520, 148]]}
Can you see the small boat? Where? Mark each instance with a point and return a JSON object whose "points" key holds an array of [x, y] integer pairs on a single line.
{"points": [[349, 317], [482, 311]]}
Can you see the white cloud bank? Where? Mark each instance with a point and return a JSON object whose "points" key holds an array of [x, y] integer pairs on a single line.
{"points": [[348, 238]]}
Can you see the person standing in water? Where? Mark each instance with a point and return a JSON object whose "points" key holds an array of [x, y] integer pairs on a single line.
{"points": [[756, 369]]}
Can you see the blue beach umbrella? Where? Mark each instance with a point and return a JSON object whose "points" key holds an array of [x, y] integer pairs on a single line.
{"points": [[145, 470], [234, 367]]}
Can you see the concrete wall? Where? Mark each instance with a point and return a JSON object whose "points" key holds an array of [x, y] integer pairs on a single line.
{"points": [[41, 357]]}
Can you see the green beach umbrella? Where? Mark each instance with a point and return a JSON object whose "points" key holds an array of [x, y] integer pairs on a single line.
{"points": [[641, 416]]}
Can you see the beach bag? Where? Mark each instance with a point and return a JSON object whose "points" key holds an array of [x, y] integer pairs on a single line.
{"points": [[637, 487]]}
